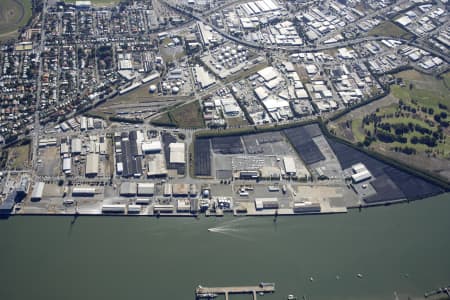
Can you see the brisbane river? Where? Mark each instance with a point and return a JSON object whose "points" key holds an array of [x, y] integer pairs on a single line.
{"points": [[400, 250]]}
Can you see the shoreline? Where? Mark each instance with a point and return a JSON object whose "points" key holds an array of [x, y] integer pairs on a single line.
{"points": [[232, 213]]}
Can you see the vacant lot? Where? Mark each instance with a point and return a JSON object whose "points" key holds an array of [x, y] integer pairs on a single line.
{"points": [[390, 29], [184, 116], [13, 15], [18, 157]]}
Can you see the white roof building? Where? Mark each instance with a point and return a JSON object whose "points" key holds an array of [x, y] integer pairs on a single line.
{"points": [[38, 191], [203, 78], [67, 165], [359, 177], [152, 147], [177, 155], [76, 145], [404, 21], [289, 165], [83, 191], [360, 173], [268, 73], [145, 189], [92, 160], [261, 93]]}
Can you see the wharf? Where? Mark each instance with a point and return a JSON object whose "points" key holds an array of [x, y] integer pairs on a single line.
{"points": [[211, 292]]}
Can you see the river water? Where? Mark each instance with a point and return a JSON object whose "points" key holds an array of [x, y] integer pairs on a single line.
{"points": [[402, 249]]}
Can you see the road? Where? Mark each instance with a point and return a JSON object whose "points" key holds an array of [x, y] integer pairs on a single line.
{"points": [[37, 123]]}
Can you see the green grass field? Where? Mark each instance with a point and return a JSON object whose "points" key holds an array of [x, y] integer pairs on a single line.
{"points": [[183, 116], [426, 90], [417, 92], [13, 15], [390, 29]]}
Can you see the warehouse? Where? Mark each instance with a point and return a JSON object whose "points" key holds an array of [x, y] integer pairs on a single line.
{"points": [[145, 189], [289, 165], [131, 163], [8, 204], [268, 73], [157, 167], [76, 146], [128, 189], [167, 190], [92, 165], [143, 201], [67, 165], [38, 191], [177, 153], [358, 168], [266, 203], [203, 78], [83, 191], [134, 209], [163, 208], [183, 205], [180, 189], [152, 147], [360, 173], [83, 123], [113, 208], [248, 174], [360, 177], [150, 77], [306, 207], [119, 168], [64, 148], [24, 187]]}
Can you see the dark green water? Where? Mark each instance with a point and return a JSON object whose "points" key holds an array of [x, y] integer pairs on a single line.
{"points": [[402, 248]]}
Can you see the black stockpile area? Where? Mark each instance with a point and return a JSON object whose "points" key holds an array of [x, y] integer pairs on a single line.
{"points": [[202, 157], [302, 140], [390, 183], [167, 139], [227, 145]]}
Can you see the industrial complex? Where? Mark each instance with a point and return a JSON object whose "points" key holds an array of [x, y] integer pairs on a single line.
{"points": [[184, 108]]}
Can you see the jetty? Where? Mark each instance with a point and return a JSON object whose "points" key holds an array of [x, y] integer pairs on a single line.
{"points": [[202, 292]]}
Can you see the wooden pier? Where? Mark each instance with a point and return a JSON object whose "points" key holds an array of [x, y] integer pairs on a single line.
{"points": [[211, 292]]}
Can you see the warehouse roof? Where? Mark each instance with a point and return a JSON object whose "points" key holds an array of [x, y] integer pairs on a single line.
{"points": [[92, 160], [128, 188], [268, 73], [177, 153], [145, 188], [38, 190]]}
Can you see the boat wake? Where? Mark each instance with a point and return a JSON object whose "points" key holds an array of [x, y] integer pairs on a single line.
{"points": [[229, 229]]}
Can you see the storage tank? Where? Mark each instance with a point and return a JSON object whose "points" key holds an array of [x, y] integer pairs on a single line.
{"points": [[152, 88]]}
